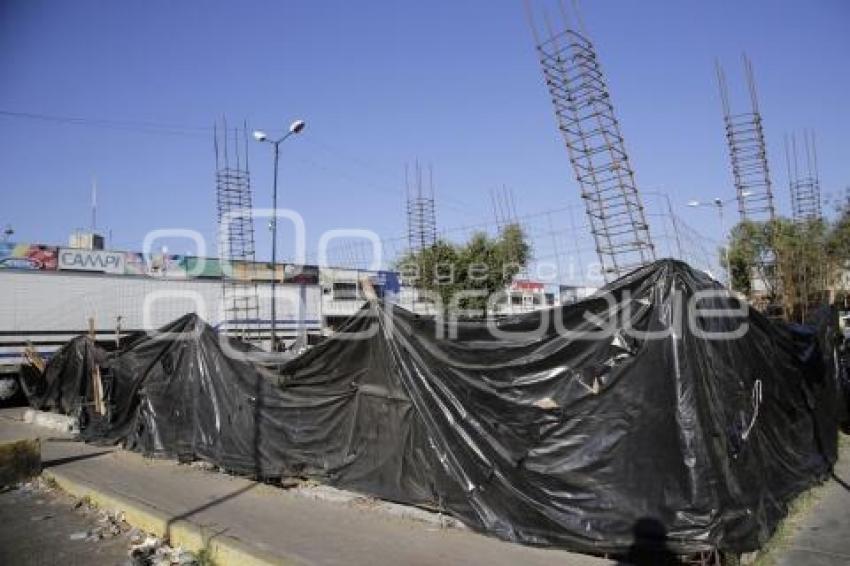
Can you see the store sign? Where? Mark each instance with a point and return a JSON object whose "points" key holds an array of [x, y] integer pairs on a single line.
{"points": [[301, 274], [27, 256], [525, 285], [91, 260], [170, 266], [387, 280]]}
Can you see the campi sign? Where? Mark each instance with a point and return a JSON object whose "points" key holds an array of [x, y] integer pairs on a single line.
{"points": [[91, 260]]}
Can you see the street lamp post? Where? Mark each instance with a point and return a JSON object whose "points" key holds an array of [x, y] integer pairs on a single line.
{"points": [[295, 128], [719, 203]]}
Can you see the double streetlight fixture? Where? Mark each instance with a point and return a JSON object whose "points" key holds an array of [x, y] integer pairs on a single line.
{"points": [[719, 203], [295, 128]]}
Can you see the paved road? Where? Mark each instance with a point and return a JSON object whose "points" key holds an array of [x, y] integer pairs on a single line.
{"points": [[43, 528], [308, 531], [276, 522]]}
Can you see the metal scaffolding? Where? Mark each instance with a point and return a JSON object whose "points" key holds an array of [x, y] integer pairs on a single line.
{"points": [[803, 184], [745, 136], [235, 230], [421, 213], [585, 116]]}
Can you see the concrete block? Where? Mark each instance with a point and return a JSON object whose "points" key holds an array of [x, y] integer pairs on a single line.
{"points": [[53, 421]]}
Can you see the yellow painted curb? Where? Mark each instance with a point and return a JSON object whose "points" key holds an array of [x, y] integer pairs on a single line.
{"points": [[224, 550]]}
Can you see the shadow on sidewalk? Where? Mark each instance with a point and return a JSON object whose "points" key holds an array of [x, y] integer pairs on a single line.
{"points": [[204, 507], [68, 459]]}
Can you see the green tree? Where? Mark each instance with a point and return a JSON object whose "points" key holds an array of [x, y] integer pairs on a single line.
{"points": [[838, 247], [748, 241], [483, 265], [797, 262], [805, 269], [838, 240]]}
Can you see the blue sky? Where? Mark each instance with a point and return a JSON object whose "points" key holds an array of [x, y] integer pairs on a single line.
{"points": [[456, 84]]}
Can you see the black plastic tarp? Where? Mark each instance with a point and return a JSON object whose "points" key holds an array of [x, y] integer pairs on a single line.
{"points": [[66, 385], [570, 426]]}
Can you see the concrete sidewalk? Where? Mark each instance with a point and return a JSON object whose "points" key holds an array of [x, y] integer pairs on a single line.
{"points": [[241, 521], [822, 536]]}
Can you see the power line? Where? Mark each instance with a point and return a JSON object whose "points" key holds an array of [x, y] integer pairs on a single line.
{"points": [[125, 125], [194, 131], [380, 170]]}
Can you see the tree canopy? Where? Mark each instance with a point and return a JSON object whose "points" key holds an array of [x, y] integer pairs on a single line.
{"points": [[463, 276], [796, 262]]}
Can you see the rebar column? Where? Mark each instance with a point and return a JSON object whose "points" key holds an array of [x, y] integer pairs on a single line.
{"points": [[803, 183], [747, 153], [421, 212], [236, 232], [585, 116]]}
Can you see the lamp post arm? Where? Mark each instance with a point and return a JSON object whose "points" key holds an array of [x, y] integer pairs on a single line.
{"points": [[283, 138]]}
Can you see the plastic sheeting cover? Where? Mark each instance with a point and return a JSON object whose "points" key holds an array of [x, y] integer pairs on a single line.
{"points": [[66, 385], [547, 432]]}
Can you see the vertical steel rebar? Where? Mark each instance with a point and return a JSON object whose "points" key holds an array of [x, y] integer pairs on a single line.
{"points": [[747, 153], [595, 145], [240, 301], [804, 187]]}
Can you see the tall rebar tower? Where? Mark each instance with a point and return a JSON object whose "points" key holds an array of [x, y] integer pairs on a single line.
{"points": [[803, 184], [745, 136], [586, 118], [421, 212], [504, 207], [236, 230]]}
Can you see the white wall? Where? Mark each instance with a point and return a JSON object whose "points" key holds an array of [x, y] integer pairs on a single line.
{"points": [[34, 302], [63, 301]]}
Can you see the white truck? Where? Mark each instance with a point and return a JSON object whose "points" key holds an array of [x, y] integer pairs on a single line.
{"points": [[45, 309]]}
